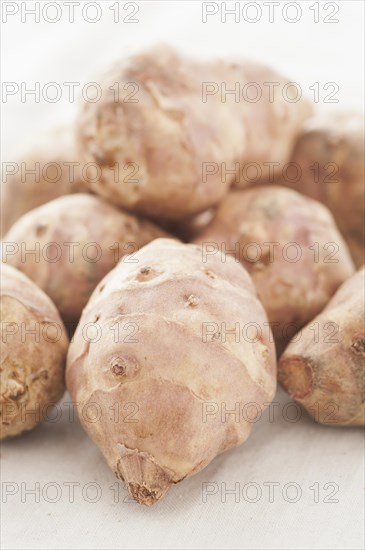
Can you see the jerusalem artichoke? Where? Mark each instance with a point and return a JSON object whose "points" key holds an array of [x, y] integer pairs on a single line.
{"points": [[67, 246], [324, 369], [48, 172], [330, 155], [33, 353], [291, 247], [153, 364], [167, 129]]}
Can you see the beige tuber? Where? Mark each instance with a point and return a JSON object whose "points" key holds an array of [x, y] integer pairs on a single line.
{"points": [[323, 368], [291, 247], [47, 172], [166, 365], [166, 127], [33, 353], [67, 246], [330, 154]]}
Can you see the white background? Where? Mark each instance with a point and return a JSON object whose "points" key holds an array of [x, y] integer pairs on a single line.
{"points": [[279, 451]]}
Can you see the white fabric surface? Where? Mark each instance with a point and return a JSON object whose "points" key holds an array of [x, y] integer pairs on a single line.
{"points": [[301, 453], [280, 451]]}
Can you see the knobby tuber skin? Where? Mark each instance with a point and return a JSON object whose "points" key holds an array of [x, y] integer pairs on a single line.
{"points": [[32, 369], [165, 372], [327, 375], [24, 190], [292, 292], [330, 153], [162, 131], [102, 233]]}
